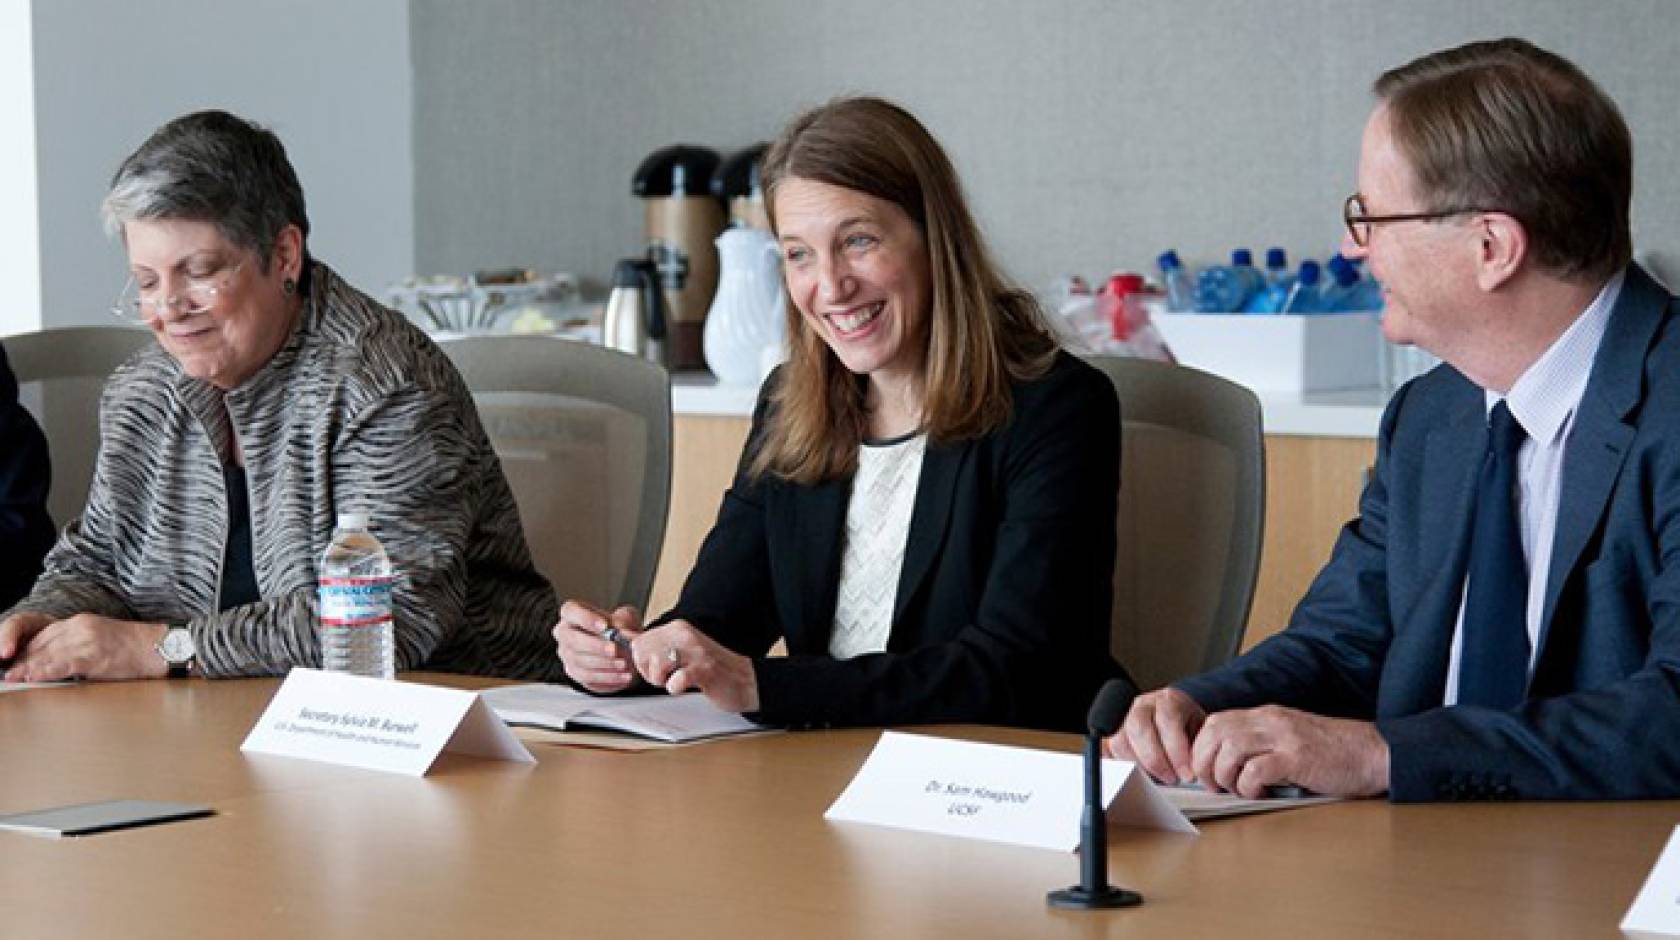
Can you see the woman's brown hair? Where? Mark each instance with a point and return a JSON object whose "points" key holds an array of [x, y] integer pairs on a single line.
{"points": [[982, 331]]}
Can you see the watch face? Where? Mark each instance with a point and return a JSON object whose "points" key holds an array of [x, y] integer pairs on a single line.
{"points": [[177, 645]]}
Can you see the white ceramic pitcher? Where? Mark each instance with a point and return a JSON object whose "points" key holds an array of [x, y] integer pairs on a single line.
{"points": [[749, 310]]}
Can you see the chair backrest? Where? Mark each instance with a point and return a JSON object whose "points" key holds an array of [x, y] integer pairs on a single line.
{"points": [[1192, 514], [60, 374], [584, 437]]}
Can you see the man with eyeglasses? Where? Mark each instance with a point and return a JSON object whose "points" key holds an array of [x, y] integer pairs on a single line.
{"points": [[26, 531], [1502, 620]]}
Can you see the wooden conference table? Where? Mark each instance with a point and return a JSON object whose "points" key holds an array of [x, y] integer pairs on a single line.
{"points": [[716, 840]]}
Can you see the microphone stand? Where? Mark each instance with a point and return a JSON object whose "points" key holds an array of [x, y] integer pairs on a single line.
{"points": [[1093, 891]]}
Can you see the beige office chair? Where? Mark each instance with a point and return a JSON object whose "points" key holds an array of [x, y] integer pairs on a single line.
{"points": [[584, 437], [1192, 513], [60, 374]]}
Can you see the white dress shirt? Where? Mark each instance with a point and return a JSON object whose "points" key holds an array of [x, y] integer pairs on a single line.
{"points": [[1543, 401]]}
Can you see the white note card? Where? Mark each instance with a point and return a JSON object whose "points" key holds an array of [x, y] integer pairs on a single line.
{"points": [[1013, 795], [375, 724], [1656, 911]]}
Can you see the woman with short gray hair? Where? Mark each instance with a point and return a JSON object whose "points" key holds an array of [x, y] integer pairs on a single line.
{"points": [[277, 397]]}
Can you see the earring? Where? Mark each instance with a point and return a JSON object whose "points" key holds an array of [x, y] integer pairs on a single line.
{"points": [[289, 286]]}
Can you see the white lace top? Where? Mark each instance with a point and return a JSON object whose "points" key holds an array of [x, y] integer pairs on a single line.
{"points": [[877, 528]]}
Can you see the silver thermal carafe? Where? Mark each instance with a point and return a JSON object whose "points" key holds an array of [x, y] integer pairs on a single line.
{"points": [[634, 322]]}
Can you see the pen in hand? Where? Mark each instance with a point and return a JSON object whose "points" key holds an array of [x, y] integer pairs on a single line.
{"points": [[617, 637], [621, 640]]}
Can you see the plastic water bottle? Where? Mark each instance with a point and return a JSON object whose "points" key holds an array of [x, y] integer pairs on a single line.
{"points": [[355, 582], [1111, 301], [1338, 285], [1227, 289], [1367, 294], [1303, 295], [1348, 291], [1242, 262], [1220, 290], [1181, 291], [1270, 298], [1277, 267]]}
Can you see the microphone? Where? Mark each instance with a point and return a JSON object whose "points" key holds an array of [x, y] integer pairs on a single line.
{"points": [[1109, 709], [1093, 891]]}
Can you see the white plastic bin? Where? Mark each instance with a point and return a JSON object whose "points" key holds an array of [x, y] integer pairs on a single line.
{"points": [[1319, 352]]}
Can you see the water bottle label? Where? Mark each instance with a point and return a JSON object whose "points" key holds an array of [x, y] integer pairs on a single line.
{"points": [[355, 602]]}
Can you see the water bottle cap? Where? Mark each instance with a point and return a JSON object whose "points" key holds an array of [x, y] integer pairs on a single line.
{"points": [[352, 520], [1342, 271], [1122, 284], [1309, 273], [1168, 260], [1242, 258], [1276, 258]]}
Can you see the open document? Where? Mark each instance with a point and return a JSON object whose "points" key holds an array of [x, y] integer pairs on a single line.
{"points": [[671, 718], [1196, 803]]}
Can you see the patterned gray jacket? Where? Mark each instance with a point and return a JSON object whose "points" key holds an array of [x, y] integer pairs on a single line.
{"points": [[358, 412]]}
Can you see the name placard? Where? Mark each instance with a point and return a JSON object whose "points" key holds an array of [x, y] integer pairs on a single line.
{"points": [[1656, 911], [992, 792], [398, 727]]}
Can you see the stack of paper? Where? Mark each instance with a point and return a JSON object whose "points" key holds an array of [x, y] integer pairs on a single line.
{"points": [[1196, 803]]}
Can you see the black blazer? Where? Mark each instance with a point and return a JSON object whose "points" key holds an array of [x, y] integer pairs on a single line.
{"points": [[1003, 603], [26, 531]]}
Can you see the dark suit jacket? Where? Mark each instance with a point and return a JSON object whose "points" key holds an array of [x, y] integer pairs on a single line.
{"points": [[26, 531], [1372, 637], [1002, 611]]}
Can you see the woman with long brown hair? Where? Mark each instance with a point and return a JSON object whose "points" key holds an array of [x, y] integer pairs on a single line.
{"points": [[925, 507]]}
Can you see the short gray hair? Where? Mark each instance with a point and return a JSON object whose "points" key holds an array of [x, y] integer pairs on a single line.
{"points": [[215, 167]]}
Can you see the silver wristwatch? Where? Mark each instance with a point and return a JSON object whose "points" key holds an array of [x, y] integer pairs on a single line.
{"points": [[178, 650]]}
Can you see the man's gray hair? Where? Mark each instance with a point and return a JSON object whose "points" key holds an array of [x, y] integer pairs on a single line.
{"points": [[215, 167], [1508, 126]]}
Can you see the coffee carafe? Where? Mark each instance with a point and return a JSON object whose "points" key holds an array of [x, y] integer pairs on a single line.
{"points": [[682, 219], [635, 319], [739, 183], [746, 325]]}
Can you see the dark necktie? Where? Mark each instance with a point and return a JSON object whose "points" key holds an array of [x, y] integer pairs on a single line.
{"points": [[1493, 665]]}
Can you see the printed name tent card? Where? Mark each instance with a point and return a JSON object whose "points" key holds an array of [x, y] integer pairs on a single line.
{"points": [[375, 724], [1013, 795], [1656, 911]]}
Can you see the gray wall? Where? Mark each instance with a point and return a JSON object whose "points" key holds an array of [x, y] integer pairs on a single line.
{"points": [[331, 78], [20, 241], [1090, 133]]}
